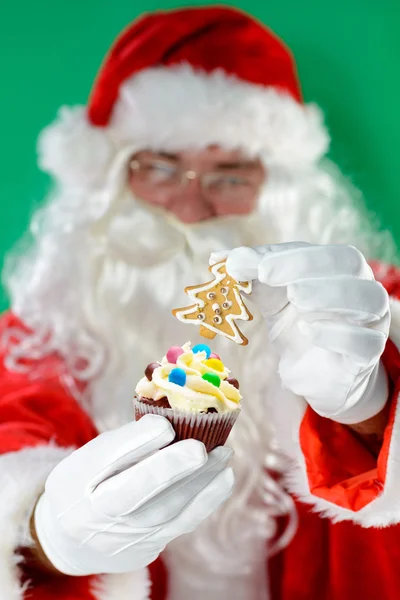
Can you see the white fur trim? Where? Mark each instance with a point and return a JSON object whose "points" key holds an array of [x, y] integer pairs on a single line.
{"points": [[124, 586], [383, 511], [73, 151], [176, 108], [22, 477]]}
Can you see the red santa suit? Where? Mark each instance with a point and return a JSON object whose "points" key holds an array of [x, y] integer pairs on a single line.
{"points": [[41, 422], [85, 302]]}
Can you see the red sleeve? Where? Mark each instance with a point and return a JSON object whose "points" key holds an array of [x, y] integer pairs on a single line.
{"points": [[36, 408], [339, 467], [388, 275], [159, 580]]}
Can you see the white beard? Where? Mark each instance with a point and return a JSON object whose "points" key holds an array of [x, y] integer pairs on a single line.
{"points": [[130, 306], [118, 281], [138, 262]]}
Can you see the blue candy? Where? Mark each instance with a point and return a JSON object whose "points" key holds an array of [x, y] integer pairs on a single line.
{"points": [[177, 376], [202, 348]]}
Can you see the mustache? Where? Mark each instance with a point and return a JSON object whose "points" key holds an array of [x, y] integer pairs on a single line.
{"points": [[144, 235]]}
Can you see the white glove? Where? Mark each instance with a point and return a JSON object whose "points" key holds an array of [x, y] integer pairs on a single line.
{"points": [[328, 320], [114, 504]]}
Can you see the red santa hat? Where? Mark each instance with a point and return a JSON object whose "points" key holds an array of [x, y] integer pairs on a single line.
{"points": [[183, 79]]}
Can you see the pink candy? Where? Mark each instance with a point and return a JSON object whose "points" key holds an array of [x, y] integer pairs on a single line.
{"points": [[213, 355], [173, 354]]}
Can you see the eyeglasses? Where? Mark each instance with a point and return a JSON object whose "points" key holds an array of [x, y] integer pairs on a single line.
{"points": [[162, 175]]}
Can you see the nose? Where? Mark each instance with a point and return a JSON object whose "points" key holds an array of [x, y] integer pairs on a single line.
{"points": [[190, 205]]}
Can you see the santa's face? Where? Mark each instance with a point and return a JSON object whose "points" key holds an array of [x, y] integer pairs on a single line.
{"points": [[196, 185]]}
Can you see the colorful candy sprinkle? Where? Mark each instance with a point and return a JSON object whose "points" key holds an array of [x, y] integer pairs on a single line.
{"points": [[173, 353], [212, 378], [215, 363], [202, 348], [177, 376], [233, 382], [150, 369], [213, 355]]}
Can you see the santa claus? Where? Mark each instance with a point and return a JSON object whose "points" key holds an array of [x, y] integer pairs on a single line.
{"points": [[196, 140]]}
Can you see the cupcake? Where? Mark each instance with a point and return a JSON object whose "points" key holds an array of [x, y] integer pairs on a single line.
{"points": [[193, 389]]}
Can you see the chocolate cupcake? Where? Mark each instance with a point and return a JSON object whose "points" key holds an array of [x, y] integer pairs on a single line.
{"points": [[193, 389]]}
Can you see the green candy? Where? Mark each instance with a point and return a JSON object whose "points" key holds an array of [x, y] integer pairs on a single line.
{"points": [[212, 378]]}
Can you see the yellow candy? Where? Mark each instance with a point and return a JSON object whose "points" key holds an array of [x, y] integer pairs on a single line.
{"points": [[215, 363]]}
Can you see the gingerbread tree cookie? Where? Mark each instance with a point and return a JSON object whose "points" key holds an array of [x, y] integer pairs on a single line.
{"points": [[217, 306]]}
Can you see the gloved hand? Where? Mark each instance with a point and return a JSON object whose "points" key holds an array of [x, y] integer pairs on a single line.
{"points": [[328, 320], [114, 504]]}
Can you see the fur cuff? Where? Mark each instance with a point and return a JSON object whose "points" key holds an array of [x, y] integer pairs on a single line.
{"points": [[22, 478], [22, 475], [124, 586]]}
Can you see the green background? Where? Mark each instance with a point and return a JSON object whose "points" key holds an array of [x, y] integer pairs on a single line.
{"points": [[347, 52]]}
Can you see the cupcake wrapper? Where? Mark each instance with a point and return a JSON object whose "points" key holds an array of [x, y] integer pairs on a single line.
{"points": [[212, 429]]}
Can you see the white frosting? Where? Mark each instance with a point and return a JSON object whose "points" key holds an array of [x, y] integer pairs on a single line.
{"points": [[198, 394]]}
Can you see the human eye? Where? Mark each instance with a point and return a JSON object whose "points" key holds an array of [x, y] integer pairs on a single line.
{"points": [[235, 180], [230, 181], [160, 171]]}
